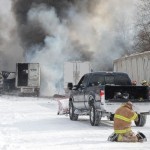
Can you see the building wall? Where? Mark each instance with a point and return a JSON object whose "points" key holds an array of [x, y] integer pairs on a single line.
{"points": [[136, 65]]}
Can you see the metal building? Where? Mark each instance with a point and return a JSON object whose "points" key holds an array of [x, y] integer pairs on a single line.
{"points": [[136, 65]]}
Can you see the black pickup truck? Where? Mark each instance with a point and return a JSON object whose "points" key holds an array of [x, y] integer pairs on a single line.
{"points": [[99, 94]]}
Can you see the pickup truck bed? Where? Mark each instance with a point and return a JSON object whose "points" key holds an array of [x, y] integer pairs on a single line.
{"points": [[134, 93]]}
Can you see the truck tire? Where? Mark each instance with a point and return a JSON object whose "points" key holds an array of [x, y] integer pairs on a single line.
{"points": [[72, 115], [95, 116], [141, 121], [111, 117]]}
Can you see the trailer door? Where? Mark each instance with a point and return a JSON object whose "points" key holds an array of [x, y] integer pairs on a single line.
{"points": [[33, 77]]}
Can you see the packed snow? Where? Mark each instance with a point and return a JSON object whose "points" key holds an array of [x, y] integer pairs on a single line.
{"points": [[33, 124]]}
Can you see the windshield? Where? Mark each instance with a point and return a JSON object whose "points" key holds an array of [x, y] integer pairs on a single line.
{"points": [[109, 79], [118, 79], [121, 79]]}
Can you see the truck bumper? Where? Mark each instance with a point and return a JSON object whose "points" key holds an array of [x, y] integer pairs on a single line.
{"points": [[143, 108]]}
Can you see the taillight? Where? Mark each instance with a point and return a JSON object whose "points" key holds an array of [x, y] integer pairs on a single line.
{"points": [[101, 93], [102, 96]]}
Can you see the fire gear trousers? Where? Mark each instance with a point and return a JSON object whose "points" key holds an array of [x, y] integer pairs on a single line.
{"points": [[127, 137]]}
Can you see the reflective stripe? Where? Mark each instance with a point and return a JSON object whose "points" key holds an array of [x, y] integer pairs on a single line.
{"points": [[124, 118], [120, 138], [134, 116], [123, 131]]}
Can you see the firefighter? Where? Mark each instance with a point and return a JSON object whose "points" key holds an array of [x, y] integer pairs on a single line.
{"points": [[144, 83], [134, 83], [123, 118]]}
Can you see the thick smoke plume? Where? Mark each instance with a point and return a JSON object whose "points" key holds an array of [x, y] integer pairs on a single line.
{"points": [[10, 49], [55, 31]]}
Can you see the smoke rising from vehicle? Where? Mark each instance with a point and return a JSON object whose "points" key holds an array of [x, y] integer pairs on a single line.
{"points": [[55, 31]]}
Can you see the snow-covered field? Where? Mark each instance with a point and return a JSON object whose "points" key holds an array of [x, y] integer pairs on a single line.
{"points": [[33, 124]]}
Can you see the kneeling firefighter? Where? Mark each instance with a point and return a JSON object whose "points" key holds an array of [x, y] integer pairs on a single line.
{"points": [[123, 118]]}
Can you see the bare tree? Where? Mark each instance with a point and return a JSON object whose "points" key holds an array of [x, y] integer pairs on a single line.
{"points": [[142, 39]]}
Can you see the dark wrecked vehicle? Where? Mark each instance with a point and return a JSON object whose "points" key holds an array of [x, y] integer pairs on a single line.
{"points": [[99, 94]]}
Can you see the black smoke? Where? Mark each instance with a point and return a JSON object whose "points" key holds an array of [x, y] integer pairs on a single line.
{"points": [[11, 51], [54, 31], [32, 33]]}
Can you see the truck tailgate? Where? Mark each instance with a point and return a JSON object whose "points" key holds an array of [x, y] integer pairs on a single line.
{"points": [[135, 94], [138, 95]]}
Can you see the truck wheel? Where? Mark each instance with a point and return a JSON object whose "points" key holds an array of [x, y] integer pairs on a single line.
{"points": [[141, 121], [111, 117], [95, 116], [71, 112]]}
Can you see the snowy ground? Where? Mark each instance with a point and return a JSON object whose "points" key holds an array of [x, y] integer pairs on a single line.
{"points": [[33, 124]]}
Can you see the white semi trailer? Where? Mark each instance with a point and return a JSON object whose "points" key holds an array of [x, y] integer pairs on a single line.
{"points": [[136, 65], [28, 78], [74, 70]]}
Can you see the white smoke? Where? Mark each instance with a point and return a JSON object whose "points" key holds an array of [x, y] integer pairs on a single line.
{"points": [[10, 49], [105, 28]]}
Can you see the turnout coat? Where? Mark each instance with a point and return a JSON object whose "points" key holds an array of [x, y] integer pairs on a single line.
{"points": [[123, 118]]}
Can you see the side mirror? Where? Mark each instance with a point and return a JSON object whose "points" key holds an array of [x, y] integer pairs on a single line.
{"points": [[82, 86], [75, 87], [70, 86]]}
